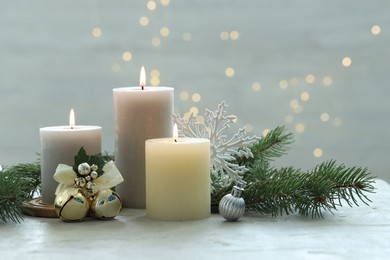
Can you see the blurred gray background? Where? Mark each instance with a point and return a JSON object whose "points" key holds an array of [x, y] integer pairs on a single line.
{"points": [[273, 62]]}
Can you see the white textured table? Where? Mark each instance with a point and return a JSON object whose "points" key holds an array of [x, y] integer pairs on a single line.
{"points": [[351, 233]]}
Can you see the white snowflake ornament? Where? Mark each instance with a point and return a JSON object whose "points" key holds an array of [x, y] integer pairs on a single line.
{"points": [[223, 150]]}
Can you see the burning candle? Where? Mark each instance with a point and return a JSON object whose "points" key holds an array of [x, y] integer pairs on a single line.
{"points": [[141, 113], [177, 178], [59, 144]]}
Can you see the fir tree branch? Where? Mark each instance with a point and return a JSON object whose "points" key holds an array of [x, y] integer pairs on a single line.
{"points": [[275, 193], [274, 144], [289, 190], [330, 184], [17, 184]]}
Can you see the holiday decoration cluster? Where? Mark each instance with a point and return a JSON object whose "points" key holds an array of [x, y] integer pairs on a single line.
{"points": [[242, 175], [82, 191]]}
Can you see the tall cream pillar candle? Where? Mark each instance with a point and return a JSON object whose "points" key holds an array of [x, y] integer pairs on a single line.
{"points": [[59, 144], [178, 178], [141, 113]]}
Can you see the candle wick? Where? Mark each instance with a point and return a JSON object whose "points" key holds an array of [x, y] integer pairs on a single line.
{"points": [[175, 140], [142, 87]]}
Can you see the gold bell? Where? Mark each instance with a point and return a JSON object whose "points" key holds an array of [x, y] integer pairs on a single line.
{"points": [[106, 204], [71, 207]]}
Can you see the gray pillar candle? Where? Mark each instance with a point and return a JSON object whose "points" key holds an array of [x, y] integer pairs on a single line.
{"points": [[59, 144], [141, 113]]}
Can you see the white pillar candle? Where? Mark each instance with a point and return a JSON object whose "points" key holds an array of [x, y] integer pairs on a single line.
{"points": [[60, 144], [141, 113], [178, 178]]}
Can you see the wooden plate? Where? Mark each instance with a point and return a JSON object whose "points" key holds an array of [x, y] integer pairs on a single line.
{"points": [[37, 208]]}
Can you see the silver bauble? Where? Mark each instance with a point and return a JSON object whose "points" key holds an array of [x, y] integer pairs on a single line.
{"points": [[94, 167], [84, 168], [71, 207], [94, 175], [232, 206], [106, 204], [80, 182]]}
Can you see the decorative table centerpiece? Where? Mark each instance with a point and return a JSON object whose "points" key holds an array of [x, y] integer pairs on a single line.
{"points": [[234, 160]]}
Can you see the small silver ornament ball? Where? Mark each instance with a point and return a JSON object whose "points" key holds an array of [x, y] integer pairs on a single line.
{"points": [[94, 175], [232, 206], [84, 168], [90, 185], [80, 182], [94, 167]]}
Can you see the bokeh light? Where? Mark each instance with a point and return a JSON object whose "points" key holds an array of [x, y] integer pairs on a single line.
{"points": [[310, 78], [196, 97], [248, 128], [127, 56], [164, 31], [165, 2], [144, 20], [115, 67], [155, 73], [289, 119], [151, 5], [283, 84], [327, 81], [324, 117], [305, 96], [300, 127], [346, 61], [187, 36], [194, 111], [156, 41], [294, 103], [375, 30], [96, 32], [234, 35], [317, 152], [184, 96], [224, 35], [155, 81], [229, 72], [256, 86], [266, 131], [200, 119]]}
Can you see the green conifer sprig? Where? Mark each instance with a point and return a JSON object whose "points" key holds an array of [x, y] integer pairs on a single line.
{"points": [[288, 190], [17, 184], [274, 144]]}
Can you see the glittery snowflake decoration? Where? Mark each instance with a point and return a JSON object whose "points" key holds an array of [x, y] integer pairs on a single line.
{"points": [[223, 149]]}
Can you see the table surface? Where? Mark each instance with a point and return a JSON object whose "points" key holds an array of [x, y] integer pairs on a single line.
{"points": [[350, 233]]}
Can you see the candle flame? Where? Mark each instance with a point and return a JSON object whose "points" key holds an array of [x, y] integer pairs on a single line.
{"points": [[142, 77], [72, 121], [175, 132]]}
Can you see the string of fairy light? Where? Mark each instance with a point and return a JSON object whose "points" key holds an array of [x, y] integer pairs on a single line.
{"points": [[296, 104]]}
